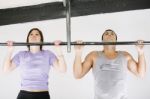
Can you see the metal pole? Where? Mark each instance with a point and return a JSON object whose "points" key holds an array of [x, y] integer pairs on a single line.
{"points": [[68, 25]]}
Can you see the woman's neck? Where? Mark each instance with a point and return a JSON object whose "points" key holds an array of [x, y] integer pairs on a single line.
{"points": [[34, 49]]}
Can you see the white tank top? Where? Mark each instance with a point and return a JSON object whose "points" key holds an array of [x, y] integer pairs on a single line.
{"points": [[110, 77]]}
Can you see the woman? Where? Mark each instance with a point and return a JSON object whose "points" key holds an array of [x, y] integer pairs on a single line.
{"points": [[34, 65]]}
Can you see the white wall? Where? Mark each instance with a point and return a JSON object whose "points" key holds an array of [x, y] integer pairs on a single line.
{"points": [[129, 26]]}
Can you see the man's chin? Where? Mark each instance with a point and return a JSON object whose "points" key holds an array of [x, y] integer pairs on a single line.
{"points": [[109, 41]]}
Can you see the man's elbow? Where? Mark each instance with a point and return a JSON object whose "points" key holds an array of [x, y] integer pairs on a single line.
{"points": [[77, 76], [141, 75]]}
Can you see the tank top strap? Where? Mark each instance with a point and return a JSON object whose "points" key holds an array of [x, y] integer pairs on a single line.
{"points": [[99, 53], [120, 53]]}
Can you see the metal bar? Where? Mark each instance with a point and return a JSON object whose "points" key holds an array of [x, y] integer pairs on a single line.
{"points": [[74, 43], [68, 25]]}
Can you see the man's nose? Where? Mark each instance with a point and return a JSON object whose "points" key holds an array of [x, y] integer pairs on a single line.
{"points": [[109, 35]]}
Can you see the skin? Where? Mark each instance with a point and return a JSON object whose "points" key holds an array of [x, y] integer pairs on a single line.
{"points": [[80, 68]]}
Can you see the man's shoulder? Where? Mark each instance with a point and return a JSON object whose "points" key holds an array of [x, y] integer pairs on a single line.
{"points": [[124, 52], [93, 53]]}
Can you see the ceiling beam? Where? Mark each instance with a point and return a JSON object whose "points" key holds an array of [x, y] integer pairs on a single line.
{"points": [[32, 13], [56, 10]]}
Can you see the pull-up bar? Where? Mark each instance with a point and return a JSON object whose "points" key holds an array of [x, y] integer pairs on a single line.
{"points": [[68, 24], [75, 43]]}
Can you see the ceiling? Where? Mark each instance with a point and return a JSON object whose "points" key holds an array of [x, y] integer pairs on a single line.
{"points": [[20, 11]]}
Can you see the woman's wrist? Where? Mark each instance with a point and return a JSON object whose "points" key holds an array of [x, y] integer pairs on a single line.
{"points": [[60, 55]]}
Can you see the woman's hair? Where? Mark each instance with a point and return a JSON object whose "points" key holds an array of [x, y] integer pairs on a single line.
{"points": [[108, 30], [41, 34]]}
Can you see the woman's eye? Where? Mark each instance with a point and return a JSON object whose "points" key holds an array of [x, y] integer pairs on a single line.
{"points": [[106, 34]]}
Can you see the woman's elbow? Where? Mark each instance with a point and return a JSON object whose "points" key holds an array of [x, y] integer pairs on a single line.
{"points": [[6, 71]]}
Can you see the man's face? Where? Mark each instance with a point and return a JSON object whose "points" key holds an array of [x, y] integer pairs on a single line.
{"points": [[109, 36]]}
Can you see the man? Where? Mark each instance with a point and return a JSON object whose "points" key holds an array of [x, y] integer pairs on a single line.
{"points": [[109, 67]]}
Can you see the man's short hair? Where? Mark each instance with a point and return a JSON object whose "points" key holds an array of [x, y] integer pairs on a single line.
{"points": [[108, 30]]}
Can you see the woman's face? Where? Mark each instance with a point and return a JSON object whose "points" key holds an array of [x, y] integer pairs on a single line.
{"points": [[34, 36]]}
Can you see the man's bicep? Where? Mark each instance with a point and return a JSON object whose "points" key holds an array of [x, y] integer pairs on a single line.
{"points": [[132, 65], [87, 64]]}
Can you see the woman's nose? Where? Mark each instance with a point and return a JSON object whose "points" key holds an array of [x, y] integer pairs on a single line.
{"points": [[33, 35]]}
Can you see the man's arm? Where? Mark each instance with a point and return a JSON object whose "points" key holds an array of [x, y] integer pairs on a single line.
{"points": [[81, 68], [138, 68]]}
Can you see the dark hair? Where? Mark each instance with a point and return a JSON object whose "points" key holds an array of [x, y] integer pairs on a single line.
{"points": [[41, 34], [108, 30]]}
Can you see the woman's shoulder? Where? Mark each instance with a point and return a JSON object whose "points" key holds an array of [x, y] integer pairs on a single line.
{"points": [[47, 51], [22, 52]]}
